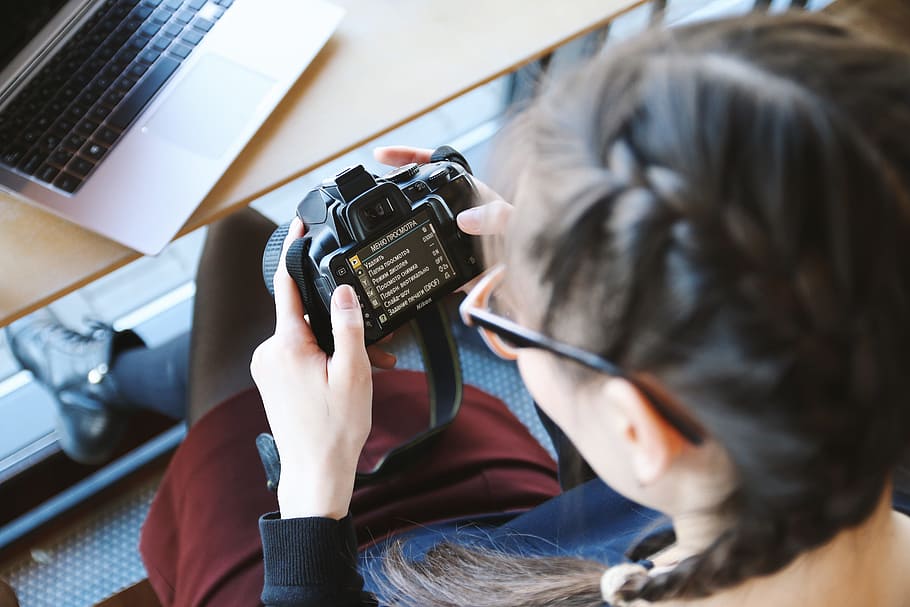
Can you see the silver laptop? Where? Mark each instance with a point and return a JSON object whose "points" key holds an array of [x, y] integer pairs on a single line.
{"points": [[120, 115]]}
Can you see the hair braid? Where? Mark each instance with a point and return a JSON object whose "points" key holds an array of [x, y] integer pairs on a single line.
{"points": [[653, 197], [735, 224]]}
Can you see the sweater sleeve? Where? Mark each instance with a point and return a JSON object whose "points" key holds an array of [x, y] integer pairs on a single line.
{"points": [[311, 562]]}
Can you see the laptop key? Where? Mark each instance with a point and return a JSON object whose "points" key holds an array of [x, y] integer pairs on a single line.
{"points": [[76, 112], [203, 24], [136, 70], [160, 43], [86, 128], [94, 151], [173, 5], [73, 142], [47, 173], [172, 30], [140, 96], [184, 16], [150, 29], [148, 56], [42, 122], [89, 96], [12, 157], [125, 84], [62, 127], [60, 157], [113, 97], [99, 113], [49, 142], [80, 166], [196, 4], [160, 17], [31, 163], [106, 52], [67, 182], [191, 37], [180, 50], [107, 135]]}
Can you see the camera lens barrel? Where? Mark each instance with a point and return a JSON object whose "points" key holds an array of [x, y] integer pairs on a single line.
{"points": [[272, 255]]}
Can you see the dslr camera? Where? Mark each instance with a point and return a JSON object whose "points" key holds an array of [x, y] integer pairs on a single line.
{"points": [[393, 238]]}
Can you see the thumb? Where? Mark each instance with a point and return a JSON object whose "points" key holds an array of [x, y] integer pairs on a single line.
{"points": [[347, 329]]}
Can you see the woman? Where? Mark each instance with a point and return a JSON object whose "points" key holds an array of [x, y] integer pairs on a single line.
{"points": [[705, 285], [717, 220]]}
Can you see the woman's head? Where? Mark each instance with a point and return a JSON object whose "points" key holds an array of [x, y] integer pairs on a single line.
{"points": [[724, 212]]}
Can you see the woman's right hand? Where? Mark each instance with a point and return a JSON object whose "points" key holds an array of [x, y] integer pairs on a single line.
{"points": [[488, 218]]}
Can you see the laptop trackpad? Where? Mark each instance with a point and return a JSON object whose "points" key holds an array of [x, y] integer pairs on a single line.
{"points": [[210, 107]]}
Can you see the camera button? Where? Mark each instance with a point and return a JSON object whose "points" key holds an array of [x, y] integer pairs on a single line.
{"points": [[416, 190]]}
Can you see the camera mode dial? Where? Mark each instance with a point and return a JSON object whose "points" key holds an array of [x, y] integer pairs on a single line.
{"points": [[438, 178], [402, 173]]}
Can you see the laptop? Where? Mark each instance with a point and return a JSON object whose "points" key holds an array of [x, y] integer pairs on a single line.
{"points": [[120, 115]]}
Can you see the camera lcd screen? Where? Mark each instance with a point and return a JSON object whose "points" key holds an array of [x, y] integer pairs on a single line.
{"points": [[405, 266]]}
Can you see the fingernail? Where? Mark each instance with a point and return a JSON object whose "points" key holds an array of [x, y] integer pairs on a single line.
{"points": [[345, 298], [471, 219], [296, 223]]}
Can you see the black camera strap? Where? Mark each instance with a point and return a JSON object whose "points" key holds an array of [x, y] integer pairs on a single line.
{"points": [[433, 333]]}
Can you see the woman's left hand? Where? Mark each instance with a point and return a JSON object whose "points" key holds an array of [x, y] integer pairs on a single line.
{"points": [[319, 407]]}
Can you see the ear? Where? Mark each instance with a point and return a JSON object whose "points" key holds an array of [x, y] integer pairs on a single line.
{"points": [[652, 441]]}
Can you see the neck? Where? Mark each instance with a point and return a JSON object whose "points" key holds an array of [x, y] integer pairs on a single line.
{"points": [[864, 565]]}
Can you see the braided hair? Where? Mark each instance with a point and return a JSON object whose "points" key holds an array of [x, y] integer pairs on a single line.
{"points": [[734, 221]]}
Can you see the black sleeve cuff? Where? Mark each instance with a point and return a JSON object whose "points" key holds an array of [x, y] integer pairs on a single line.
{"points": [[310, 561]]}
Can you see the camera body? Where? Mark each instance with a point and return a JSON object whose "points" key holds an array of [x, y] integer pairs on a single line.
{"points": [[393, 238]]}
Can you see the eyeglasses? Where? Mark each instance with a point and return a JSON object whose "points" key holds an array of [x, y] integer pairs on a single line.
{"points": [[505, 338]]}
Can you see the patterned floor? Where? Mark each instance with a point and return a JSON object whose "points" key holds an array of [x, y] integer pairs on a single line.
{"points": [[85, 565]]}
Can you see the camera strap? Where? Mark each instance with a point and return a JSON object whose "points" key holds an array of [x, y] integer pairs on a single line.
{"points": [[433, 332]]}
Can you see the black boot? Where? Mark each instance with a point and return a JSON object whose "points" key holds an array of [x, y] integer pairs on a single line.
{"points": [[76, 369]]}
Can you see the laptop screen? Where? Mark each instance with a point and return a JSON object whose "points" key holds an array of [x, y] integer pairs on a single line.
{"points": [[20, 21]]}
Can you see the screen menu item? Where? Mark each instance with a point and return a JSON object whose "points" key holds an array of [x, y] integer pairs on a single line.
{"points": [[404, 267]]}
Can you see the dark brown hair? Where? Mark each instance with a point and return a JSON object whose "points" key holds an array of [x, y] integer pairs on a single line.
{"points": [[723, 207]]}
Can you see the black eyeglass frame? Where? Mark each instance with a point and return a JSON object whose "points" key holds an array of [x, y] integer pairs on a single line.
{"points": [[522, 337]]}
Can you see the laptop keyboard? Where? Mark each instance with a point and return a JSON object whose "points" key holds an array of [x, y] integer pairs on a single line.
{"points": [[67, 118]]}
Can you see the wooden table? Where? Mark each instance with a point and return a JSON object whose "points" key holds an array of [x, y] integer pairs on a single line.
{"points": [[389, 62]]}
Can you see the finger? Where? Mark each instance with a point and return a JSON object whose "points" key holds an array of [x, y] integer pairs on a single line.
{"points": [[350, 358], [487, 219], [381, 359], [485, 193], [397, 155], [288, 305]]}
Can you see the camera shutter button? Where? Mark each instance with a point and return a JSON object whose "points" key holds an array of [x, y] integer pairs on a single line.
{"points": [[438, 178], [403, 173]]}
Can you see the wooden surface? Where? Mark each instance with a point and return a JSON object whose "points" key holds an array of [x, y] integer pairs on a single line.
{"points": [[388, 63]]}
